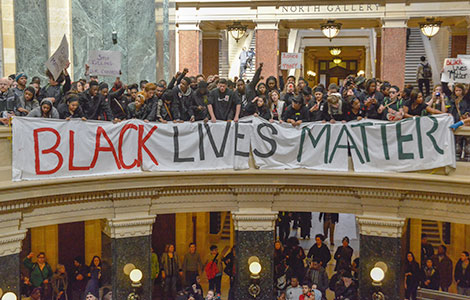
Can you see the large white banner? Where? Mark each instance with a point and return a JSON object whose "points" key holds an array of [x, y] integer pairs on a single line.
{"points": [[46, 148]]}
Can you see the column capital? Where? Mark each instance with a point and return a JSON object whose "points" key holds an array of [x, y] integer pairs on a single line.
{"points": [[11, 236], [188, 26], [398, 22], [267, 24], [381, 226], [254, 219], [129, 227]]}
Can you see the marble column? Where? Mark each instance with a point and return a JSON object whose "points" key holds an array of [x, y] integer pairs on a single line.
{"points": [[267, 47], [210, 52], [130, 243], [393, 54], [31, 36], [8, 37], [380, 241], [10, 247], [165, 22], [189, 38], [254, 236]]}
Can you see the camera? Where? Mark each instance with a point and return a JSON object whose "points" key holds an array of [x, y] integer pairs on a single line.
{"points": [[438, 94]]}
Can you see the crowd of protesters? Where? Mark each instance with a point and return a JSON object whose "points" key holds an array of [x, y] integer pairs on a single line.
{"points": [[197, 98]]}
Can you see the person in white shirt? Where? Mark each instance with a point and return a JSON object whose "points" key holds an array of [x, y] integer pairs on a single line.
{"points": [[293, 291]]}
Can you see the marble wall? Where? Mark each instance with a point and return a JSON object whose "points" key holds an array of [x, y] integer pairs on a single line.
{"points": [[260, 244], [165, 21], [134, 21], [10, 273], [135, 250], [388, 250], [31, 37]]}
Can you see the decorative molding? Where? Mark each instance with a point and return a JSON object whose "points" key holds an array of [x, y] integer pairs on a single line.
{"points": [[254, 220], [381, 226], [10, 242], [125, 228]]}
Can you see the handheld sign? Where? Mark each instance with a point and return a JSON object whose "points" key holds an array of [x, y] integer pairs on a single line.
{"points": [[291, 61], [57, 62], [105, 63], [456, 70]]}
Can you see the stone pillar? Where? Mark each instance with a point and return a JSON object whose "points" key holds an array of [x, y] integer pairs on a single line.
{"points": [[31, 36], [267, 47], [380, 240], [8, 37], [189, 43], [458, 43], [283, 46], [378, 54], [59, 23], [10, 247], [131, 237], [210, 52], [93, 245], [46, 239], [468, 36], [254, 236], [393, 52]]}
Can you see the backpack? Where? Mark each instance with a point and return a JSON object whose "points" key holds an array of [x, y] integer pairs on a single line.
{"points": [[211, 268], [427, 71]]}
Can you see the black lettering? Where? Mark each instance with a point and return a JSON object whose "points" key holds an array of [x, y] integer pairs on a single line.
{"points": [[316, 8], [345, 8], [202, 156], [338, 8], [239, 136], [218, 153], [270, 141], [176, 157], [301, 9], [329, 8], [369, 7], [284, 9]]}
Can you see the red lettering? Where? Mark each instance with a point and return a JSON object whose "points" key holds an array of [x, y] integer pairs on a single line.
{"points": [[53, 149], [142, 144], [121, 138], [100, 131], [72, 153], [453, 62]]}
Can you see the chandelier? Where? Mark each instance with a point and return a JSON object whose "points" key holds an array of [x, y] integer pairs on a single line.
{"points": [[431, 27], [237, 30], [330, 29], [337, 60], [335, 51]]}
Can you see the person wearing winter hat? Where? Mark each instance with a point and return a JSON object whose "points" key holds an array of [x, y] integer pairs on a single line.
{"points": [[21, 80], [27, 102]]}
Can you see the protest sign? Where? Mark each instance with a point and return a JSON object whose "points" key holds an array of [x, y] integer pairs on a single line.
{"points": [[105, 63], [291, 61], [456, 70], [59, 60]]}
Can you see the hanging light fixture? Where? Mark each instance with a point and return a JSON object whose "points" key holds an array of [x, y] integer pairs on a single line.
{"points": [[237, 30], [330, 29], [335, 51], [337, 60], [431, 27]]}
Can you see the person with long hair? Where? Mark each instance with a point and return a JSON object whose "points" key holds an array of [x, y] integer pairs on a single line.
{"points": [[60, 283], [295, 256], [171, 271], [460, 110], [412, 276], [94, 275], [276, 105], [417, 107]]}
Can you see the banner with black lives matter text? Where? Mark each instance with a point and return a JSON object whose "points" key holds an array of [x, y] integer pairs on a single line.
{"points": [[47, 148]]}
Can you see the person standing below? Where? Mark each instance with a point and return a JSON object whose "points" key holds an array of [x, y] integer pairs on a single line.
{"points": [[305, 224], [60, 283], [329, 223], [78, 279], [343, 255], [41, 273], [427, 250], [94, 274], [244, 55], [430, 276], [170, 270], [154, 266], [462, 274], [283, 221], [192, 265], [320, 251], [412, 276], [294, 291], [444, 265], [424, 76], [316, 274], [214, 268], [230, 270]]}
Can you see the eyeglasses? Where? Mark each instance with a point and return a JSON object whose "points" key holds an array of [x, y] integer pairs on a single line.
{"points": [[392, 92]]}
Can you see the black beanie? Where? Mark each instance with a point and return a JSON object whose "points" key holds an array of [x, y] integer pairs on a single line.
{"points": [[103, 85], [202, 85]]}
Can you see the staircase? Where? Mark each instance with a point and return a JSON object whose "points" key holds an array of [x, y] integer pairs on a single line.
{"points": [[431, 229], [226, 61], [224, 66], [413, 54], [250, 72], [226, 230]]}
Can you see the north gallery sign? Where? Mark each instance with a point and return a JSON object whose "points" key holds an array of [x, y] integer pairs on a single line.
{"points": [[330, 8]]}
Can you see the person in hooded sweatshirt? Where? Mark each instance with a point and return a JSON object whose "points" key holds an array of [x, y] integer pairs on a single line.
{"points": [[71, 109], [259, 108], [199, 101], [335, 109], [94, 105], [167, 108], [224, 104], [120, 100], [182, 95], [27, 102], [247, 92], [54, 89], [296, 113], [45, 110]]}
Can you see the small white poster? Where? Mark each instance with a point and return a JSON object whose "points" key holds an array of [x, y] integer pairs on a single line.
{"points": [[105, 63], [291, 61], [57, 62]]}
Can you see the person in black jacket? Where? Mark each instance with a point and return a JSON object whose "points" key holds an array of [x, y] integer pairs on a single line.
{"points": [[430, 276], [71, 109], [119, 100], [224, 104], [320, 251], [315, 106], [247, 92], [343, 255], [54, 88], [182, 95], [78, 278], [259, 108], [329, 223], [412, 276], [199, 101], [296, 113], [167, 108], [427, 250], [462, 274], [335, 109], [93, 105]]}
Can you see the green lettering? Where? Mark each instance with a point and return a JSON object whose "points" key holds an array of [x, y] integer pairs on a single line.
{"points": [[420, 138], [364, 138], [315, 141], [435, 125], [352, 146], [401, 139], [383, 130]]}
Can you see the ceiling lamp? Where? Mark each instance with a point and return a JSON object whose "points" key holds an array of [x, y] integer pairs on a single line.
{"points": [[331, 29], [311, 73], [237, 30], [361, 73], [431, 27], [335, 51], [337, 60]]}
